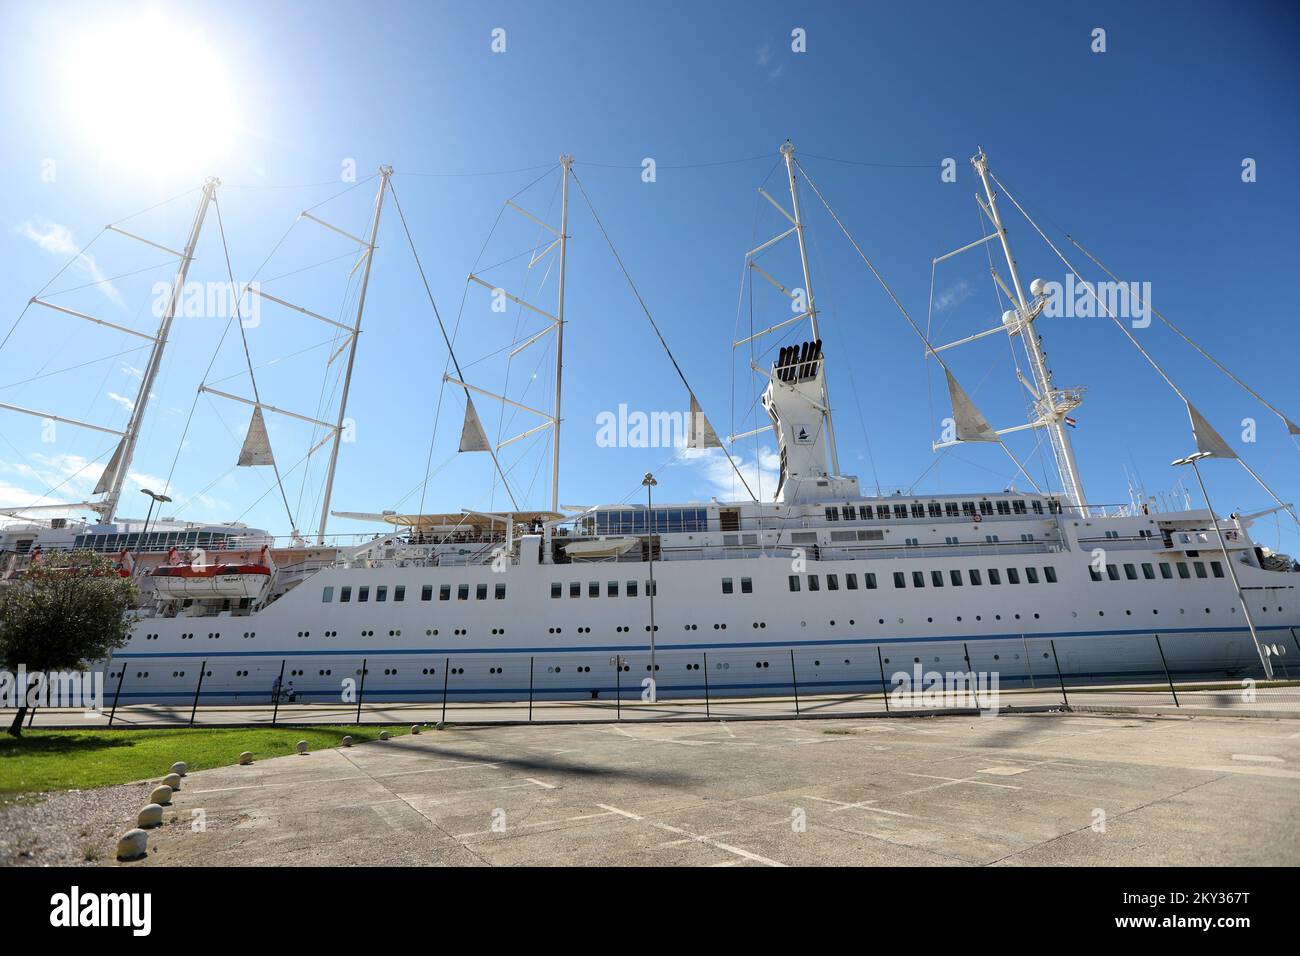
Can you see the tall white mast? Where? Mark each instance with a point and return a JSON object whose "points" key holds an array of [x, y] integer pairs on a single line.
{"points": [[567, 163], [120, 463], [384, 173], [1052, 404], [787, 151]]}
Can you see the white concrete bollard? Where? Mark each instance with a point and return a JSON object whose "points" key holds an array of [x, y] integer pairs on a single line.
{"points": [[384, 735], [302, 746], [180, 768], [172, 780], [149, 817], [245, 758], [347, 741], [133, 845], [415, 728], [440, 725], [162, 795]]}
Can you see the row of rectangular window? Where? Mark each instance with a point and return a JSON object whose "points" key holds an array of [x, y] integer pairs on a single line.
{"points": [[956, 578], [935, 509], [1166, 570], [426, 593], [630, 588]]}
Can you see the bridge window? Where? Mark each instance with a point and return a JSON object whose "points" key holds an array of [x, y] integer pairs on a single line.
{"points": [[1031, 575], [327, 595], [499, 592], [851, 582], [794, 582], [557, 589], [870, 579], [832, 582], [994, 576], [462, 592], [813, 583], [630, 589], [746, 585], [399, 593], [1013, 576], [363, 594], [1182, 570], [832, 514], [1131, 572], [726, 586], [1050, 573], [381, 593], [974, 574], [444, 592], [611, 589], [593, 589], [1148, 571], [1200, 568], [918, 579], [899, 579], [1217, 568], [936, 578], [1112, 572], [345, 595], [955, 576]]}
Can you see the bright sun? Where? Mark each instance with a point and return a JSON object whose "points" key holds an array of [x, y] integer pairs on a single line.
{"points": [[151, 94]]}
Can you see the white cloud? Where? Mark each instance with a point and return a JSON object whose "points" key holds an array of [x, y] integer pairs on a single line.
{"points": [[122, 400], [58, 241], [761, 473], [953, 295]]}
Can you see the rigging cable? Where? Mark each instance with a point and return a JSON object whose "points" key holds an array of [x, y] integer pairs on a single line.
{"points": [[1145, 354], [653, 325]]}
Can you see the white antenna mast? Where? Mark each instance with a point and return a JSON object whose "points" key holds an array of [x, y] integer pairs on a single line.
{"points": [[1052, 404], [567, 163], [384, 173], [787, 151]]}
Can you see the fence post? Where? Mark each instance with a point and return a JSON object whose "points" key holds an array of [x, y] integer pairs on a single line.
{"points": [[121, 676], [1165, 664], [618, 686], [884, 690], [1064, 698], [1028, 663], [446, 672], [361, 691], [198, 690], [279, 689], [530, 690], [970, 676], [794, 679], [707, 712]]}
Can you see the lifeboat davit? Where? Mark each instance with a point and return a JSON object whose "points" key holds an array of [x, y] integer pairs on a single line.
{"points": [[177, 581]]}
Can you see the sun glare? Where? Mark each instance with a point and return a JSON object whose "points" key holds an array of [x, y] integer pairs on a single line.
{"points": [[152, 94]]}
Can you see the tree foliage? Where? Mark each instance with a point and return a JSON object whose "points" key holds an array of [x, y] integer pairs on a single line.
{"points": [[66, 611]]}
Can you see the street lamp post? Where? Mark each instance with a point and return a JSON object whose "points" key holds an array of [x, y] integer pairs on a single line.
{"points": [[649, 482], [1232, 570], [153, 500]]}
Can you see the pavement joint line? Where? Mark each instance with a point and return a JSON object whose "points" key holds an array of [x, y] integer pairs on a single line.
{"points": [[725, 847], [953, 781], [437, 826], [863, 805], [544, 786], [535, 823], [1109, 818]]}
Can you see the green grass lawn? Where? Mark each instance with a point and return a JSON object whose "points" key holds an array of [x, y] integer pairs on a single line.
{"points": [[81, 759]]}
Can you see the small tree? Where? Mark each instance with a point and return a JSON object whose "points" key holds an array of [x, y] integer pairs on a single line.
{"points": [[67, 611]]}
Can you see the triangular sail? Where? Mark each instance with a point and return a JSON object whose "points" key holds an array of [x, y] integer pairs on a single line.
{"points": [[472, 437], [109, 474], [700, 432], [257, 443], [971, 423], [1207, 439], [1292, 427]]}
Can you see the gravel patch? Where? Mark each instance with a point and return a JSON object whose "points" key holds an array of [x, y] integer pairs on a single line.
{"points": [[69, 827]]}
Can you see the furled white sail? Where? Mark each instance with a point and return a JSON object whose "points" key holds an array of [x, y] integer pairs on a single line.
{"points": [[971, 423], [472, 437], [257, 444]]}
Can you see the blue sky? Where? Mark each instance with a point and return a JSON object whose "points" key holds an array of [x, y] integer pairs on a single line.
{"points": [[1136, 151]]}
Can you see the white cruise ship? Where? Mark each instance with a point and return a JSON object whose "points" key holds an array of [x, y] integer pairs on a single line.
{"points": [[821, 584]]}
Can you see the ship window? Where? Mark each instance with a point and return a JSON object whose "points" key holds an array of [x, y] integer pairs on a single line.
{"points": [[1217, 568], [726, 586], [1112, 572], [974, 574], [480, 592], [1148, 571], [832, 582], [630, 589], [1038, 507], [955, 576], [900, 579], [327, 595], [1004, 507], [1130, 572], [866, 512], [462, 592], [426, 592], [1013, 576], [870, 579], [381, 593], [611, 589], [851, 582], [918, 510], [1094, 573], [746, 585], [557, 590], [363, 594], [936, 578], [652, 588], [1182, 570], [1018, 507], [918, 579], [1031, 575], [399, 593], [813, 583], [900, 511], [593, 589], [444, 592], [1200, 568], [832, 514], [986, 507], [499, 592], [968, 508], [1050, 573], [345, 595], [575, 589], [935, 509], [994, 576], [849, 512]]}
